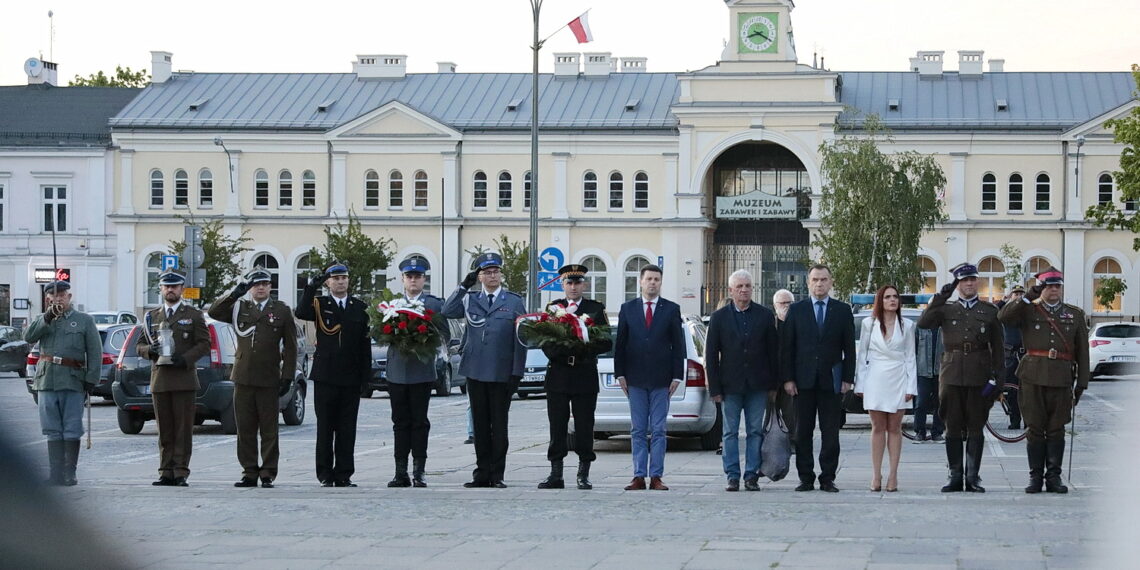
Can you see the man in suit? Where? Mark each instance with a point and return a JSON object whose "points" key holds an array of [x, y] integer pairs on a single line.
{"points": [[572, 383], [410, 381], [341, 365], [174, 376], [740, 360], [818, 365], [264, 367], [492, 362], [649, 363]]}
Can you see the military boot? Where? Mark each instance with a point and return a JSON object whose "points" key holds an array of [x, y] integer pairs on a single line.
{"points": [[584, 476], [554, 480], [70, 459], [975, 444], [55, 462], [401, 478], [418, 471], [1036, 452], [1054, 455], [954, 461]]}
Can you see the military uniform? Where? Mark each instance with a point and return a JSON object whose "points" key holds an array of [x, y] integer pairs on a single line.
{"points": [[1056, 359], [173, 386], [342, 364], [972, 356], [264, 369], [71, 355]]}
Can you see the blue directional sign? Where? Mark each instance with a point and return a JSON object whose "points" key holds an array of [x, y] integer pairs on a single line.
{"points": [[169, 262], [549, 261], [661, 261]]}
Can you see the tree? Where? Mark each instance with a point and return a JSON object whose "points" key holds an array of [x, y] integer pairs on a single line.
{"points": [[123, 77], [222, 260], [515, 261], [1011, 258], [874, 209], [362, 254]]}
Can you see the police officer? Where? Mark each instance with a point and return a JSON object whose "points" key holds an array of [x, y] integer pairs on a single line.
{"points": [[264, 368], [174, 376], [572, 383], [341, 365], [972, 357], [492, 361], [71, 355], [1014, 350], [1056, 356], [410, 381]]}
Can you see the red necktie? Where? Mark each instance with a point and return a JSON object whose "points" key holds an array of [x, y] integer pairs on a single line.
{"points": [[648, 314]]}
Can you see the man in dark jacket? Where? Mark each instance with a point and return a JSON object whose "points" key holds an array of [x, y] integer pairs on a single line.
{"points": [[572, 383], [740, 360], [341, 365]]}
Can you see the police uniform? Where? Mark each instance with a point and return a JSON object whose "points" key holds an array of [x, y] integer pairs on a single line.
{"points": [[492, 362], [410, 381], [173, 385], [264, 369], [572, 386], [342, 364], [71, 355], [972, 356], [1056, 358]]}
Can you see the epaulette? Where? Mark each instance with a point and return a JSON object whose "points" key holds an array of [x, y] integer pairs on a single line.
{"points": [[1073, 307], [515, 294]]}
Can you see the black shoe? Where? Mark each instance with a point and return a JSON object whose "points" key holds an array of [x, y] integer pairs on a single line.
{"points": [[828, 487], [583, 478], [476, 484], [550, 483], [164, 482], [732, 486], [266, 483], [498, 485], [400, 480], [937, 438], [470, 440], [327, 482], [752, 484], [180, 482], [246, 482], [805, 486], [345, 483]]}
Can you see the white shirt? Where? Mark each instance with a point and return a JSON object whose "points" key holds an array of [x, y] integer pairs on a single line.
{"points": [[342, 301], [171, 309]]}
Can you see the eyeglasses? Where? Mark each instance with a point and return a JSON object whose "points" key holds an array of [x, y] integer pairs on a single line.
{"points": [[491, 271]]}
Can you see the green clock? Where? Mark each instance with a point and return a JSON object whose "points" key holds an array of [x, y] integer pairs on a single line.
{"points": [[758, 32]]}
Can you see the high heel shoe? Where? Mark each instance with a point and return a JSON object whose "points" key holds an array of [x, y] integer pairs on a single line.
{"points": [[892, 488], [876, 486]]}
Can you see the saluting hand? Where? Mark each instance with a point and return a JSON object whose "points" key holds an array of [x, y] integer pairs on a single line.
{"points": [[470, 280], [1034, 292], [948, 289]]}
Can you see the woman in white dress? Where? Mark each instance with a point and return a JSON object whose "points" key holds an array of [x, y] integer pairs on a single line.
{"points": [[887, 379]]}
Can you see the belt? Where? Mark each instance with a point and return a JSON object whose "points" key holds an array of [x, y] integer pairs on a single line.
{"points": [[1051, 354], [965, 347], [70, 362], [573, 361]]}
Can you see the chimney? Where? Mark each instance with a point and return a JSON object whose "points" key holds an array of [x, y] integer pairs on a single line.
{"points": [[930, 63], [160, 66], [970, 63], [997, 65], [566, 64], [446, 66], [598, 64], [380, 66], [914, 64], [41, 72], [633, 64]]}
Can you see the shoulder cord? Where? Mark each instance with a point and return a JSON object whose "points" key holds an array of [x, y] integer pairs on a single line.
{"points": [[471, 320], [335, 329], [237, 329], [1056, 329]]}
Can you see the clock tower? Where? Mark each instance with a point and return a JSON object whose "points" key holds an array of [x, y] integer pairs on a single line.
{"points": [[760, 30]]}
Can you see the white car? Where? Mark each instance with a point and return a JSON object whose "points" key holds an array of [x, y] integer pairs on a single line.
{"points": [[1114, 349], [104, 319]]}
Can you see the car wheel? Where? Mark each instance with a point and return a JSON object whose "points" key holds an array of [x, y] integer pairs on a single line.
{"points": [[228, 419], [130, 423], [23, 372], [523, 395], [443, 387], [294, 413], [710, 440]]}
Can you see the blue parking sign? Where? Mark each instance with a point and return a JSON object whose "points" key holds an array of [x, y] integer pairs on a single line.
{"points": [[169, 262]]}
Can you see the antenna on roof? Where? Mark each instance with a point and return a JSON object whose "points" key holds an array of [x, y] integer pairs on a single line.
{"points": [[51, 35]]}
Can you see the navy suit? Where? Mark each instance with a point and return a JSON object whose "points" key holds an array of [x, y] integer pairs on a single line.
{"points": [[818, 359]]}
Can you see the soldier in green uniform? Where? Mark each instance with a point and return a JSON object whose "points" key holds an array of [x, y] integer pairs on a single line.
{"points": [[973, 355], [264, 367], [70, 357], [1056, 338]]}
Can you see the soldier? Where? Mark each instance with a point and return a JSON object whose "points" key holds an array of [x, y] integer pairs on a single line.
{"points": [[264, 368], [492, 361], [1014, 350], [71, 355], [341, 365], [1056, 355], [410, 381], [174, 376], [972, 357], [572, 384]]}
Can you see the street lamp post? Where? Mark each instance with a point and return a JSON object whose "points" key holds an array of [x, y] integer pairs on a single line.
{"points": [[532, 257]]}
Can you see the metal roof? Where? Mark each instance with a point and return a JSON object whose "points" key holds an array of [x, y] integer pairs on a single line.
{"points": [[43, 115]]}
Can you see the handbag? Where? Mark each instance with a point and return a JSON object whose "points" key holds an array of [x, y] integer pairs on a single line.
{"points": [[776, 449]]}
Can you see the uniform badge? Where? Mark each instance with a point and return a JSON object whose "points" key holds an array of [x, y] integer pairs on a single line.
{"points": [[953, 322], [1037, 326], [184, 321], [272, 318], [983, 329], [73, 324]]}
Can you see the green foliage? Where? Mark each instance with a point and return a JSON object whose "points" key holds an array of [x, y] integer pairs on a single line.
{"points": [[875, 208], [222, 260], [1125, 130], [123, 77], [1011, 257], [362, 254], [515, 262], [1108, 290]]}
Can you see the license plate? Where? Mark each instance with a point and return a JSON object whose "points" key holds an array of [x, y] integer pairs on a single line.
{"points": [[608, 381], [144, 390], [1124, 359], [533, 379]]}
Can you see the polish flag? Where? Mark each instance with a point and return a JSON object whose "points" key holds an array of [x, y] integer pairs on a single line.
{"points": [[581, 28]]}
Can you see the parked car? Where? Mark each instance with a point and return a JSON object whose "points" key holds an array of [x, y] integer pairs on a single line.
{"points": [[446, 365], [112, 338], [14, 351], [534, 374], [1114, 349], [691, 412], [104, 319], [214, 399]]}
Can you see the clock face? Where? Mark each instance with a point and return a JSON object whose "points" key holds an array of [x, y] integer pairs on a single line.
{"points": [[758, 33]]}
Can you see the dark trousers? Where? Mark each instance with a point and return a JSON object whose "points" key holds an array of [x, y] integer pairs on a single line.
{"points": [[336, 408], [490, 402], [255, 409], [1046, 410], [174, 413], [410, 424], [824, 403], [927, 404], [559, 406], [963, 409]]}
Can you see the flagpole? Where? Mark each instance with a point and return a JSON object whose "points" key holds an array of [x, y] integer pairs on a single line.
{"points": [[532, 257]]}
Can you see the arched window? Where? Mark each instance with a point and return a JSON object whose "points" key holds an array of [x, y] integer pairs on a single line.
{"points": [[261, 189], [505, 189], [1034, 266], [157, 190], [929, 274], [526, 191], [589, 191], [617, 191], [421, 196], [1104, 189], [153, 269], [1042, 193], [595, 278], [308, 189], [641, 191], [395, 189], [633, 276], [1106, 268], [991, 279], [1016, 192], [989, 192], [479, 190], [205, 189], [285, 189], [269, 263], [181, 189], [371, 190], [301, 275]]}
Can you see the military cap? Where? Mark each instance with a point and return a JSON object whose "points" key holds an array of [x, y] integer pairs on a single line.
{"points": [[58, 286], [964, 270], [171, 277], [258, 275], [490, 259], [573, 272], [1017, 289], [337, 268], [1051, 276], [414, 264]]}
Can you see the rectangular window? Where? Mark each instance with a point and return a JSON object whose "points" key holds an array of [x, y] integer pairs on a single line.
{"points": [[526, 192], [285, 193], [989, 193], [309, 191], [205, 192], [505, 189], [480, 192], [261, 193], [1104, 192], [421, 192], [181, 192], [1015, 194], [372, 193], [1042, 201], [590, 192], [617, 191], [641, 192], [55, 208], [396, 192], [156, 190]]}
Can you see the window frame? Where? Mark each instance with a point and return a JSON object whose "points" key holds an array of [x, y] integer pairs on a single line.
{"points": [[1099, 274], [616, 183], [420, 190], [1042, 188], [634, 274], [371, 190], [205, 189], [504, 191], [640, 187], [261, 189], [479, 190], [989, 193], [181, 189], [157, 189], [308, 190], [285, 190], [59, 207], [1020, 183], [587, 191], [395, 189]]}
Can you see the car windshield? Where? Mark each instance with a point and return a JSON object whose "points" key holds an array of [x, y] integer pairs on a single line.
{"points": [[535, 357], [105, 318], [1118, 331], [9, 334]]}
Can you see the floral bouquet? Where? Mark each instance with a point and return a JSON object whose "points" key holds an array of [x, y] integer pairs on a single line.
{"points": [[405, 326], [557, 328]]}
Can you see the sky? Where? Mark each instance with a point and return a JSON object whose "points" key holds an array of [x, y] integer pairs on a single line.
{"points": [[495, 35]]}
